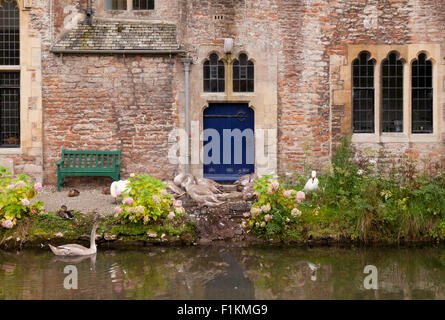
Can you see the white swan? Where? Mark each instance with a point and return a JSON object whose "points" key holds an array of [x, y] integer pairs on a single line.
{"points": [[312, 183], [119, 187], [72, 250]]}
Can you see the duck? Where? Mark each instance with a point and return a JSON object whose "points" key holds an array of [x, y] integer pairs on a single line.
{"points": [[118, 187], [312, 184], [173, 189], [213, 186], [203, 196], [75, 250], [64, 213], [73, 193]]}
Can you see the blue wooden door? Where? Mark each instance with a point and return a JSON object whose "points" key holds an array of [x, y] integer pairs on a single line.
{"points": [[229, 150]]}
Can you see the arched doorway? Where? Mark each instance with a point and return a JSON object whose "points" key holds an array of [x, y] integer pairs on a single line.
{"points": [[229, 141]]}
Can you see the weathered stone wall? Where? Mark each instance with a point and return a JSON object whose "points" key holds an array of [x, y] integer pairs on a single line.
{"points": [[34, 38], [407, 26], [109, 103], [301, 52]]}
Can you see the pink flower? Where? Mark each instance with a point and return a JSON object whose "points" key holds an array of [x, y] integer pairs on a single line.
{"points": [[178, 203], [171, 215], [288, 193], [300, 196], [275, 185], [246, 214], [128, 200], [265, 208], [33, 211], [38, 186], [25, 202], [118, 210], [118, 192], [268, 217], [8, 224]]}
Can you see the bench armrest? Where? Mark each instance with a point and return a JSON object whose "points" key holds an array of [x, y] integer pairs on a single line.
{"points": [[58, 163], [118, 164]]}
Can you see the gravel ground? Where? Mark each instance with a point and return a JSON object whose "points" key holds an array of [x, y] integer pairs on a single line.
{"points": [[89, 199]]}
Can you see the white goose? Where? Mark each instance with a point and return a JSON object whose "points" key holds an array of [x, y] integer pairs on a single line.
{"points": [[312, 183], [72, 250]]}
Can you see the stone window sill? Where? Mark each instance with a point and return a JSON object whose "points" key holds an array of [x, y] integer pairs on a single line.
{"points": [[393, 138], [10, 151]]}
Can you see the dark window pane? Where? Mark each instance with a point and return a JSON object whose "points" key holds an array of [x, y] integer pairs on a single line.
{"points": [[392, 94], [143, 4], [243, 74], [214, 74], [206, 85], [235, 72], [9, 33], [235, 86], [363, 94], [422, 95], [206, 70], [221, 85], [9, 109], [115, 4]]}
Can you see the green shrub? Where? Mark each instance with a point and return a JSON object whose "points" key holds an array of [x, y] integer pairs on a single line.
{"points": [[275, 212], [147, 200], [16, 194]]}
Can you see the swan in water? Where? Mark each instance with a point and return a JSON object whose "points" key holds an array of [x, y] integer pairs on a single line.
{"points": [[72, 250], [312, 183]]}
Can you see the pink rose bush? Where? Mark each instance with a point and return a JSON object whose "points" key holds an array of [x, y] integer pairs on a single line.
{"points": [[148, 201], [16, 197]]}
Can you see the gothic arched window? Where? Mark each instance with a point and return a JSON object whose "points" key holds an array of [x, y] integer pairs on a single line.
{"points": [[392, 93], [243, 74], [9, 74], [214, 74], [363, 93], [422, 95]]}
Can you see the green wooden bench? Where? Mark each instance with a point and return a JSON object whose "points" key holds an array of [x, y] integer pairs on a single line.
{"points": [[76, 163]]}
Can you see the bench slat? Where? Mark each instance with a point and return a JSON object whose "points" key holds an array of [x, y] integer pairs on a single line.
{"points": [[87, 163]]}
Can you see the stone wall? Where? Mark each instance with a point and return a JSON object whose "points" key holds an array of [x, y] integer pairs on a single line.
{"points": [[301, 50], [107, 103]]}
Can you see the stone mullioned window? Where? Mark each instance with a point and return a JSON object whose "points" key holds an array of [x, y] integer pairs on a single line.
{"points": [[389, 93], [241, 76], [129, 5], [9, 74]]}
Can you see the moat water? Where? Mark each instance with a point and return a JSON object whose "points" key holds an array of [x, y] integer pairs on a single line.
{"points": [[226, 273]]}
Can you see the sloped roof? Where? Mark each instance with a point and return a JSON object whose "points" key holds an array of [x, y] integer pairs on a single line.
{"points": [[111, 35]]}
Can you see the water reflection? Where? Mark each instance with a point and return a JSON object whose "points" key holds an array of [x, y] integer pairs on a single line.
{"points": [[226, 273], [231, 284]]}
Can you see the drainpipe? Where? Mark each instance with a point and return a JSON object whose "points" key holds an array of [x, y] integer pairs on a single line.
{"points": [[89, 13], [187, 62]]}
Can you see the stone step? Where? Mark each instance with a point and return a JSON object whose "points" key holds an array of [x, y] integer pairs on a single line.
{"points": [[229, 188]]}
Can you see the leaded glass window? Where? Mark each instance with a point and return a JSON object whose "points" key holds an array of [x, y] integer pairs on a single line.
{"points": [[392, 94], [243, 74], [143, 4], [363, 93], [9, 80], [9, 33], [214, 74], [115, 4], [422, 95]]}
